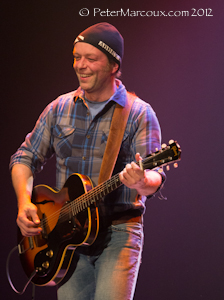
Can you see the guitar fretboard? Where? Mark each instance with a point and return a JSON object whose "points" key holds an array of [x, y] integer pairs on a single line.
{"points": [[95, 195]]}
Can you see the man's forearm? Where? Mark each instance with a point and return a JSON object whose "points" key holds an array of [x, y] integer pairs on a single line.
{"points": [[22, 180]]}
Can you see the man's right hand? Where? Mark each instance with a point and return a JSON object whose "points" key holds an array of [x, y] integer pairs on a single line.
{"points": [[28, 220]]}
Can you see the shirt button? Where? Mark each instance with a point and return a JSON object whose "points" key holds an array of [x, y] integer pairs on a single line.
{"points": [[88, 136], [83, 158], [87, 113]]}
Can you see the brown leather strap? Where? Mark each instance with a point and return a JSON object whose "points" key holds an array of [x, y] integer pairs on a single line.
{"points": [[117, 128]]}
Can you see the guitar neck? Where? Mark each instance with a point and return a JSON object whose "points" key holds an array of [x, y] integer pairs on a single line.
{"points": [[98, 193], [160, 158]]}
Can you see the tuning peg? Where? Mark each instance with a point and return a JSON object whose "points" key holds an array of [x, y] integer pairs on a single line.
{"points": [[175, 165], [157, 149], [167, 167], [164, 146], [171, 142]]}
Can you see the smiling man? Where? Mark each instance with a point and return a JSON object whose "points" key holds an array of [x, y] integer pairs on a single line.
{"points": [[75, 128]]}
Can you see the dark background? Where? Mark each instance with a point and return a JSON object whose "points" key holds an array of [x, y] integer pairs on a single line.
{"points": [[175, 64]]}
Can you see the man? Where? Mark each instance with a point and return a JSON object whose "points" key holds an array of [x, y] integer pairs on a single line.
{"points": [[75, 128]]}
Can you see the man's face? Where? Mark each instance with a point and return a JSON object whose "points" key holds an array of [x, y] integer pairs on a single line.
{"points": [[93, 70]]}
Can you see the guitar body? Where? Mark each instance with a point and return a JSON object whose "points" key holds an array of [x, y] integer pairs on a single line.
{"points": [[49, 254]]}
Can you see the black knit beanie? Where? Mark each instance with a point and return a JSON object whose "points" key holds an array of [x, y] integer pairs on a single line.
{"points": [[106, 38]]}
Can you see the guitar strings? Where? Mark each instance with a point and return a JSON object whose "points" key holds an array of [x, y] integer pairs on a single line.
{"points": [[85, 200], [74, 207], [82, 201]]}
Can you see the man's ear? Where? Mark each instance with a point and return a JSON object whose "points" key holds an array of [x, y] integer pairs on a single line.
{"points": [[114, 68]]}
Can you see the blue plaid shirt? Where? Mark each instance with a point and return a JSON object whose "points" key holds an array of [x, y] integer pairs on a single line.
{"points": [[65, 128]]}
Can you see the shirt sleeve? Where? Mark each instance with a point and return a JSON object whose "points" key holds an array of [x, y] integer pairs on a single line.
{"points": [[37, 147]]}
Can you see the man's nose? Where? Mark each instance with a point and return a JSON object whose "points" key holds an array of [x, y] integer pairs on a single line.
{"points": [[81, 63]]}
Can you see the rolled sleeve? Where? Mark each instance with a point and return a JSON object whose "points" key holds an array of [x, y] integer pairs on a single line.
{"points": [[147, 138]]}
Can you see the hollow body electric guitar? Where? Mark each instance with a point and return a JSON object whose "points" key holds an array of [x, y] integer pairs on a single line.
{"points": [[69, 218]]}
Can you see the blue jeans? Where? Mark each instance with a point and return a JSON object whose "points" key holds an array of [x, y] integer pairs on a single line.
{"points": [[108, 269]]}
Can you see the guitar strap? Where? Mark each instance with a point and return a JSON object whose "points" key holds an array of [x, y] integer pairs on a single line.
{"points": [[117, 128]]}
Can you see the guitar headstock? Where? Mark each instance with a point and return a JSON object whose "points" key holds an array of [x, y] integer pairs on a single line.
{"points": [[167, 155]]}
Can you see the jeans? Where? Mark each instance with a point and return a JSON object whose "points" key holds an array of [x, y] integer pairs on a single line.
{"points": [[108, 269]]}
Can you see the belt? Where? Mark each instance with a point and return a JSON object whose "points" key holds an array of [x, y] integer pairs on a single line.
{"points": [[127, 219], [133, 216]]}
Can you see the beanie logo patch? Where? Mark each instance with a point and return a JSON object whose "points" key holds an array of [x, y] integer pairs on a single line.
{"points": [[109, 50], [80, 37]]}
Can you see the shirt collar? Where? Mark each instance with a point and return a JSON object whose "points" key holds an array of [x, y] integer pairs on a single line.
{"points": [[119, 96]]}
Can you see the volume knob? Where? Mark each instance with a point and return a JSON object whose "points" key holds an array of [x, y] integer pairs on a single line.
{"points": [[50, 253], [45, 264]]}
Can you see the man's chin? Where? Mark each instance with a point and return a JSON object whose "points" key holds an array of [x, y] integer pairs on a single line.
{"points": [[85, 87]]}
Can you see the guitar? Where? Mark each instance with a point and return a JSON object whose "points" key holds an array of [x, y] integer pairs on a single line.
{"points": [[69, 218]]}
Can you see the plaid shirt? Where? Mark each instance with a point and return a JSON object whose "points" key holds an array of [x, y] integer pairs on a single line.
{"points": [[65, 128]]}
